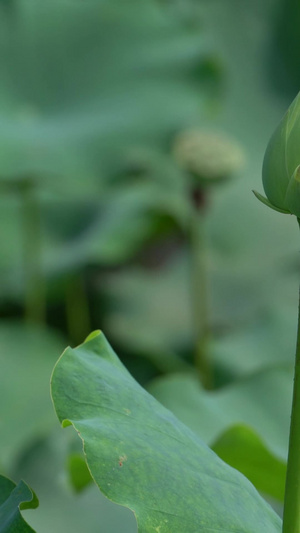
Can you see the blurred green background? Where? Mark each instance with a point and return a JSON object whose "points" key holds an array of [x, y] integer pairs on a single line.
{"points": [[95, 226]]}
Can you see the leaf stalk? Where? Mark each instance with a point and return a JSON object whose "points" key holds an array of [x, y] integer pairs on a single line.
{"points": [[291, 512], [35, 284], [200, 297]]}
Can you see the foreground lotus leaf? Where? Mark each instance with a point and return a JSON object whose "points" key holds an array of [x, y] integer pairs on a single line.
{"points": [[142, 457]]}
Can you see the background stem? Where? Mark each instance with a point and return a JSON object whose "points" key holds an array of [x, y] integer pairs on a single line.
{"points": [[291, 512], [77, 308], [35, 287], [199, 288]]}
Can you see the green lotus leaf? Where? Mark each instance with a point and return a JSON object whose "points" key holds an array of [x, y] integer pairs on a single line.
{"points": [[62, 510], [259, 449], [243, 449], [143, 458], [14, 498], [79, 474]]}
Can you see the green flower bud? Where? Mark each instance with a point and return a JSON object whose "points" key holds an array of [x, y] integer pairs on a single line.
{"points": [[281, 166], [210, 157]]}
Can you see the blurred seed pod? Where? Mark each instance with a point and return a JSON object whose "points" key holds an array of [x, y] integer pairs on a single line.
{"points": [[210, 157]]}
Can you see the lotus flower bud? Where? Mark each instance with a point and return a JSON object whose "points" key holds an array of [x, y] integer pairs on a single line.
{"points": [[281, 166], [210, 157]]}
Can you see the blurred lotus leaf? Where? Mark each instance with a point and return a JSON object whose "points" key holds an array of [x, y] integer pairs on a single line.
{"points": [[81, 82], [27, 356]]}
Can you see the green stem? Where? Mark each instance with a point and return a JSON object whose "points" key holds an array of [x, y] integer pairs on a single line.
{"points": [[35, 287], [77, 309], [291, 512], [200, 300]]}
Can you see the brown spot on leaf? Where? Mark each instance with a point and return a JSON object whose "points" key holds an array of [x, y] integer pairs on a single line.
{"points": [[122, 459]]}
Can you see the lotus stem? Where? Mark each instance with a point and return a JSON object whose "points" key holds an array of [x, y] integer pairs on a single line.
{"points": [[291, 512], [35, 286], [200, 299]]}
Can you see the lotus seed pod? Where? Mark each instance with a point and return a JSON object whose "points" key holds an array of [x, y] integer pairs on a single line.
{"points": [[210, 157], [281, 166]]}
